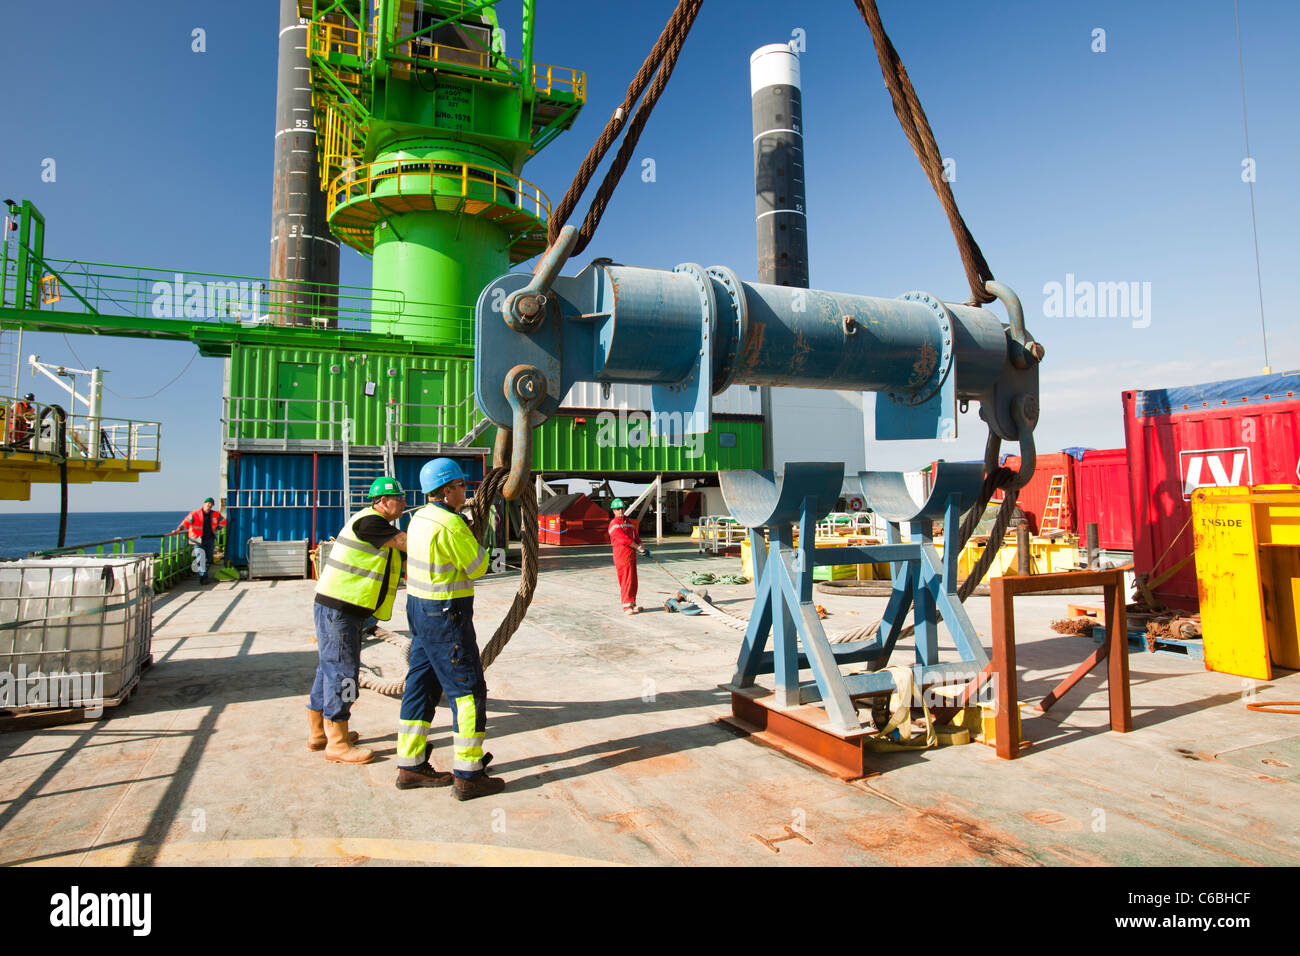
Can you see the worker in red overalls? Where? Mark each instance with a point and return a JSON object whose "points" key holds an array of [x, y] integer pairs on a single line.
{"points": [[21, 421], [626, 541], [201, 526]]}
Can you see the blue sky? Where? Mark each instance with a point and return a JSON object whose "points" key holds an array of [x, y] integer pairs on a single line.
{"points": [[1115, 166]]}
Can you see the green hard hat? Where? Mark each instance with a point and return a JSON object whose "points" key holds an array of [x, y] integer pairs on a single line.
{"points": [[384, 486], [617, 503]]}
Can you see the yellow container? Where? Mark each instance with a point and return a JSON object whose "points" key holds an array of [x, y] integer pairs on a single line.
{"points": [[1046, 556], [1248, 577], [837, 572], [873, 572]]}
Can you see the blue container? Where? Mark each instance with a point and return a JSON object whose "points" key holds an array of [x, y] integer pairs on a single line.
{"points": [[274, 496]]}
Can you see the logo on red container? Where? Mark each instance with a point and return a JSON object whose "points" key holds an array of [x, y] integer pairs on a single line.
{"points": [[1214, 468]]}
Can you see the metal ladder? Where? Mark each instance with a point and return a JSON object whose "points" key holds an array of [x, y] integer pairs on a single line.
{"points": [[359, 470], [11, 340], [1051, 519], [11, 346]]}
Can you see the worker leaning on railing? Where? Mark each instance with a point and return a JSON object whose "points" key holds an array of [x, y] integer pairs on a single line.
{"points": [[200, 527], [21, 421]]}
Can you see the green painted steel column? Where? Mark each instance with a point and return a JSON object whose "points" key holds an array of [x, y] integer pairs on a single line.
{"points": [[440, 258], [441, 262]]}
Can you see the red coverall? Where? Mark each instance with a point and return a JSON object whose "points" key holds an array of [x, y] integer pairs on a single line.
{"points": [[625, 538]]}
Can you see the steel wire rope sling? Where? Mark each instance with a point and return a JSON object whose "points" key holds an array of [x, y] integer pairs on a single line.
{"points": [[983, 287], [512, 453], [658, 64]]}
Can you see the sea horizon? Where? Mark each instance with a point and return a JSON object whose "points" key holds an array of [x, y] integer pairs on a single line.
{"points": [[24, 532]]}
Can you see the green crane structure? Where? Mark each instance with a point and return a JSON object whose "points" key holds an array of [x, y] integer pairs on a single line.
{"points": [[423, 128], [423, 125]]}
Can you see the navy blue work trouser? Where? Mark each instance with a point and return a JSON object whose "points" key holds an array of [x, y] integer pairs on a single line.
{"points": [[444, 658], [338, 642]]}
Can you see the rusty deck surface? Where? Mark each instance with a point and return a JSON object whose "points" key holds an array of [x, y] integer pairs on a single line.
{"points": [[606, 729]]}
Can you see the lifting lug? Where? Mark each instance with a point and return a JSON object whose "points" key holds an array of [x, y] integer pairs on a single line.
{"points": [[525, 308], [525, 388]]}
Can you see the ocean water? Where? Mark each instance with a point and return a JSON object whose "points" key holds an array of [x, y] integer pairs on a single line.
{"points": [[24, 533]]}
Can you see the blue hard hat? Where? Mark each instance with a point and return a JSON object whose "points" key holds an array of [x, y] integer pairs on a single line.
{"points": [[439, 472]]}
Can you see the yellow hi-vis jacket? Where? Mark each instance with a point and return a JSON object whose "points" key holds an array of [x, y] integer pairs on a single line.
{"points": [[354, 571], [442, 557]]}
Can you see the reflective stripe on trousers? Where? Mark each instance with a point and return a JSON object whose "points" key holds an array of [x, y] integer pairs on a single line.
{"points": [[444, 657], [468, 741], [412, 741]]}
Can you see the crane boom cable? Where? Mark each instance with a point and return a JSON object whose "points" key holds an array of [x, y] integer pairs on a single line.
{"points": [[907, 107], [1250, 183]]}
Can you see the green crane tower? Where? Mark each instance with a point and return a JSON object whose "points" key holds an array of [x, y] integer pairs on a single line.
{"points": [[423, 128]]}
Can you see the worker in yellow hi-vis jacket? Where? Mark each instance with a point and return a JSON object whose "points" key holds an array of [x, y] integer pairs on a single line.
{"points": [[443, 559]]}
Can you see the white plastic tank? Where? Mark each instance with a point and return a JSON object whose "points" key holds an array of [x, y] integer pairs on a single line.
{"points": [[73, 615]]}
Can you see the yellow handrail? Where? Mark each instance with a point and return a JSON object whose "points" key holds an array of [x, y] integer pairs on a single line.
{"points": [[359, 183], [325, 38]]}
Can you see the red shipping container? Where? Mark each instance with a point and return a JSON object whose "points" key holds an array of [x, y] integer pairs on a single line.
{"points": [[572, 520], [1102, 496], [1033, 497], [1226, 434]]}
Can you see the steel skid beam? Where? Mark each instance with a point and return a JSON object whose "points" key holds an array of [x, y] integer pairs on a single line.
{"points": [[785, 615]]}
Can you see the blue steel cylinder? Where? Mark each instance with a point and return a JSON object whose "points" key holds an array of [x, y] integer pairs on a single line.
{"points": [[692, 332], [804, 338], [801, 338], [659, 352]]}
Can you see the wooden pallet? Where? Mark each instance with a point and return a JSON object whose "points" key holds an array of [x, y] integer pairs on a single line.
{"points": [[1137, 643]]}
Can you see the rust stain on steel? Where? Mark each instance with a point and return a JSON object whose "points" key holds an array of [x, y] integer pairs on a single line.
{"points": [[799, 351], [1053, 820], [659, 766], [790, 834], [626, 821], [932, 837], [753, 345], [924, 365]]}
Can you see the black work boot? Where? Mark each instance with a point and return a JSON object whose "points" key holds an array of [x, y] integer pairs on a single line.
{"points": [[422, 776], [483, 786]]}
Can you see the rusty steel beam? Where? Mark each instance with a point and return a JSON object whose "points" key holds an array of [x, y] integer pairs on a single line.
{"points": [[799, 732]]}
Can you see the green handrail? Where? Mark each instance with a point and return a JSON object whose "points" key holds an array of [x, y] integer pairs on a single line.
{"points": [[172, 559]]}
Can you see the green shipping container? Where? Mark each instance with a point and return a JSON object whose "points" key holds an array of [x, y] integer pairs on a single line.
{"points": [[297, 399], [303, 395], [608, 443]]}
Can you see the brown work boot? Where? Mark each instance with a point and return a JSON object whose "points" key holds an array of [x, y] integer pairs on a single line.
{"points": [[483, 786], [339, 749], [316, 731], [408, 778]]}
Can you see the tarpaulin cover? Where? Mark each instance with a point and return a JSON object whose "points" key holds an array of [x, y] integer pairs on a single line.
{"points": [[1236, 391]]}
